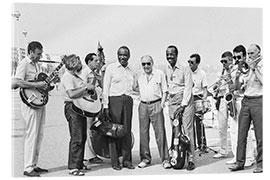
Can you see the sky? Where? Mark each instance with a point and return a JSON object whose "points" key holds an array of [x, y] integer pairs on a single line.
{"points": [[206, 27], [146, 30]]}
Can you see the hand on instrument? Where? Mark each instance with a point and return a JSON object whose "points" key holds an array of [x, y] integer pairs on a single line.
{"points": [[179, 111], [41, 85], [106, 113]]}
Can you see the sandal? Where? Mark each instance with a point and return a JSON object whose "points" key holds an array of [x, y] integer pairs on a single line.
{"points": [[76, 172]]}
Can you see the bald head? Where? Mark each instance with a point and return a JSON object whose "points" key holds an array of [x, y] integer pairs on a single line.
{"points": [[254, 51]]}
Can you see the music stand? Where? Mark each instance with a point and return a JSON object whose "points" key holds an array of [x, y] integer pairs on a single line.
{"points": [[200, 116]]}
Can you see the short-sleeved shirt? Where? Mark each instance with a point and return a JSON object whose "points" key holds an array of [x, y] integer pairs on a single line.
{"points": [[153, 88], [27, 69], [69, 82], [199, 81]]}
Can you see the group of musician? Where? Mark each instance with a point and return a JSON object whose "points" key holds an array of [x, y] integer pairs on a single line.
{"points": [[237, 93]]}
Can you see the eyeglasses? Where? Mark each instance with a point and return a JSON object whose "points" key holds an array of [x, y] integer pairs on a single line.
{"points": [[148, 64], [224, 61], [237, 57], [191, 62]]}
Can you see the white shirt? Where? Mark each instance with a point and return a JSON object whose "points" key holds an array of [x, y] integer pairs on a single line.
{"points": [[252, 85], [199, 81], [153, 88], [68, 82], [180, 81], [118, 80], [27, 69]]}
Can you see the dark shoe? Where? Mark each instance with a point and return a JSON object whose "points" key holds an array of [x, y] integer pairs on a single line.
{"points": [[116, 167], [236, 167], [40, 170], [96, 160], [129, 166], [31, 174], [190, 166], [258, 170]]}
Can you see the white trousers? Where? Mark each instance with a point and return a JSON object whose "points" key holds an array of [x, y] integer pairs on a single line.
{"points": [[223, 120], [89, 152], [34, 128]]}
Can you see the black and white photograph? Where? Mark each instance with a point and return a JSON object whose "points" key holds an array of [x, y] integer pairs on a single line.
{"points": [[117, 89]]}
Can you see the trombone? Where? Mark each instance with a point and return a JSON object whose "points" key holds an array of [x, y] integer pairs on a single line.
{"points": [[244, 66]]}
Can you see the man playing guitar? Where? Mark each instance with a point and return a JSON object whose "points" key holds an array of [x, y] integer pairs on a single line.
{"points": [[34, 118]]}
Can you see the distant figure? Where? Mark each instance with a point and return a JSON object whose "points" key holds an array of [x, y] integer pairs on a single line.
{"points": [[153, 92], [118, 105], [34, 118]]}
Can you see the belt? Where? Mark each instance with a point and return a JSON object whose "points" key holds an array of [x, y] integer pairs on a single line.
{"points": [[82, 112], [253, 97], [150, 102]]}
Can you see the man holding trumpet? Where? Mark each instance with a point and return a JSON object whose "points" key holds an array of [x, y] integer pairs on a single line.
{"points": [[251, 106]]}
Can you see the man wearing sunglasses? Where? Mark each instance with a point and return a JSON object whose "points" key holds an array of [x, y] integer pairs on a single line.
{"points": [[239, 53], [251, 111], [153, 90], [180, 84], [199, 93], [224, 84]]}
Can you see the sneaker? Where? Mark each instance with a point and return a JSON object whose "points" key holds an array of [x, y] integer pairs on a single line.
{"points": [[142, 164], [249, 163], [230, 162], [219, 155], [166, 165]]}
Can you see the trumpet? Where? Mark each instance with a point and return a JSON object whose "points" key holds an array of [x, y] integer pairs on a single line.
{"points": [[244, 66]]}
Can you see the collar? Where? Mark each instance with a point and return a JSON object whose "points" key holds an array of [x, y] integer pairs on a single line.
{"points": [[177, 66], [119, 65]]}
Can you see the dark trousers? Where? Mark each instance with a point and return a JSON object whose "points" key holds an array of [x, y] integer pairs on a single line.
{"points": [[152, 113], [199, 129], [251, 110], [120, 110], [77, 128]]}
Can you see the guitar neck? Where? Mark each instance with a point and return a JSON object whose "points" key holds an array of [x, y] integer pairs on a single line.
{"points": [[51, 76]]}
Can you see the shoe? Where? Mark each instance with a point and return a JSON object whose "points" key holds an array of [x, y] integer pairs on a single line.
{"points": [[129, 166], [142, 164], [40, 170], [249, 163], [95, 160], [167, 165], [190, 166], [76, 172], [258, 170], [236, 167], [219, 155], [116, 167], [31, 174], [230, 162]]}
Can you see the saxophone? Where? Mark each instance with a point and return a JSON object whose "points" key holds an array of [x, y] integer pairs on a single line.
{"points": [[230, 99]]}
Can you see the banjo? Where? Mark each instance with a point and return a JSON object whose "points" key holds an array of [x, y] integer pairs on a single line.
{"points": [[37, 97]]}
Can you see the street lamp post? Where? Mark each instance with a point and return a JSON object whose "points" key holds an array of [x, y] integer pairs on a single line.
{"points": [[16, 49]]}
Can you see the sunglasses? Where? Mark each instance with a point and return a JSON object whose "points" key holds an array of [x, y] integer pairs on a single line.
{"points": [[224, 61], [237, 57], [148, 64], [191, 62]]}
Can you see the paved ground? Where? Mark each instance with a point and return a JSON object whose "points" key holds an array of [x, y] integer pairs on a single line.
{"points": [[54, 150]]}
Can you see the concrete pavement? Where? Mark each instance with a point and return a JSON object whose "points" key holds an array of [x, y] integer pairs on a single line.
{"points": [[54, 149]]}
